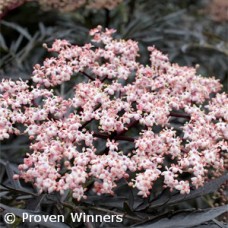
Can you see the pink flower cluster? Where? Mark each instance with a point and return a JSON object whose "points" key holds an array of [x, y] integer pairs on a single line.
{"points": [[118, 93], [63, 5], [99, 4], [6, 5], [70, 5], [217, 9]]}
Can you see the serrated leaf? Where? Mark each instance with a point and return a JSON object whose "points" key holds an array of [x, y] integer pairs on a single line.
{"points": [[35, 204], [167, 199], [15, 45], [18, 28], [3, 43], [107, 201], [123, 190], [185, 219], [19, 191], [127, 209], [208, 188], [42, 29], [171, 16], [15, 183]]}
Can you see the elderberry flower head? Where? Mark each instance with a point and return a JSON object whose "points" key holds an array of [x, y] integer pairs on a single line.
{"points": [[126, 101]]}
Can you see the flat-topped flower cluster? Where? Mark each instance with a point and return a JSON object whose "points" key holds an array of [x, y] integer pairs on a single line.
{"points": [[118, 94]]}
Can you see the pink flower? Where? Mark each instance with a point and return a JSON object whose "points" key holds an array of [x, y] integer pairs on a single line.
{"points": [[183, 187], [106, 109]]}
